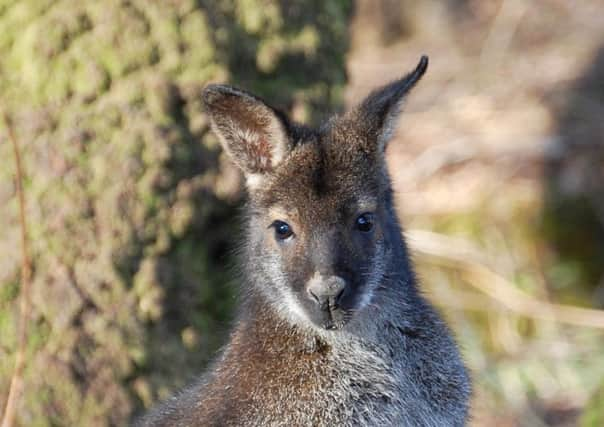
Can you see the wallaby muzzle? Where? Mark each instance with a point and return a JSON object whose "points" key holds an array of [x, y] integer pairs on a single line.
{"points": [[327, 294]]}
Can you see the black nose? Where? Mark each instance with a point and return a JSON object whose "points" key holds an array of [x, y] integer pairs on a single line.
{"points": [[326, 291]]}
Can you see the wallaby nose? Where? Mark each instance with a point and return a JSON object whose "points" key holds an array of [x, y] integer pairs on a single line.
{"points": [[326, 291]]}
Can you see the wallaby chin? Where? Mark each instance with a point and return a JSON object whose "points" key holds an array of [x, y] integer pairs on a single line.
{"points": [[332, 330]]}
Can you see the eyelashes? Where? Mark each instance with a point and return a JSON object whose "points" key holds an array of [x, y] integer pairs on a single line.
{"points": [[364, 222], [283, 230]]}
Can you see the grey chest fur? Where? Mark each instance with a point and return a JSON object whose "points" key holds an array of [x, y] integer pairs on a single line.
{"points": [[360, 384]]}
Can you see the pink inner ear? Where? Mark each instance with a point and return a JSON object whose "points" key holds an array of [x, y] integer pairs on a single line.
{"points": [[258, 151], [250, 131]]}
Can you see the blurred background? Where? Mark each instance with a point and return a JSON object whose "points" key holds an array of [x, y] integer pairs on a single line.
{"points": [[133, 210]]}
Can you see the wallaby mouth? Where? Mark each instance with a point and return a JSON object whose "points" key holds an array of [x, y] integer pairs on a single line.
{"points": [[335, 318]]}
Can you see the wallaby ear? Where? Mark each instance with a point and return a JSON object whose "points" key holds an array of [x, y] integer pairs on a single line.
{"points": [[252, 133], [379, 112]]}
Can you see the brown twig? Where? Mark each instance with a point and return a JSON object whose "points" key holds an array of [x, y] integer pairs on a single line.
{"points": [[25, 300], [447, 251]]}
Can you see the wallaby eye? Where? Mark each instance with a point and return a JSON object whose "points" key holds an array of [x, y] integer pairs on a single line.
{"points": [[364, 222], [282, 230]]}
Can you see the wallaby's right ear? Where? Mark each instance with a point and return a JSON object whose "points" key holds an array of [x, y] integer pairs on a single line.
{"points": [[377, 115], [252, 133]]}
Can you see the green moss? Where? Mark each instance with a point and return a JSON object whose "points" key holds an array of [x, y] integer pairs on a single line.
{"points": [[593, 415], [573, 227], [8, 292]]}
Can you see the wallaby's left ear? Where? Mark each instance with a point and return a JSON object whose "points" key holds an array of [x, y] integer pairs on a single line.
{"points": [[254, 134], [378, 113]]}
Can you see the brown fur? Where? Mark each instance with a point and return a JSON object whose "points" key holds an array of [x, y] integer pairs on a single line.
{"points": [[372, 352]]}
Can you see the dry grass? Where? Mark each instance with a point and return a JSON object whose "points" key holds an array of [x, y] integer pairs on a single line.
{"points": [[16, 383]]}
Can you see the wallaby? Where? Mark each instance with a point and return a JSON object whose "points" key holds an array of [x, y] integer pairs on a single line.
{"points": [[332, 330]]}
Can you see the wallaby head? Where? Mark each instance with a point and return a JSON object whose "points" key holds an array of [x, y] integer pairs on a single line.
{"points": [[322, 231]]}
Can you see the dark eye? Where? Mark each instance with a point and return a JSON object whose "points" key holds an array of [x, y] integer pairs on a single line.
{"points": [[282, 230], [365, 222]]}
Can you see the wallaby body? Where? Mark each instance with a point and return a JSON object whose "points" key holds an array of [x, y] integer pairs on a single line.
{"points": [[332, 330]]}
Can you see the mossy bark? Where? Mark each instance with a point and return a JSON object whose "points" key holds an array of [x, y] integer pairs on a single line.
{"points": [[130, 201]]}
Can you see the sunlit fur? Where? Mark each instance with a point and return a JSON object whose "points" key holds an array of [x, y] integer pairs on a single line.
{"points": [[382, 356]]}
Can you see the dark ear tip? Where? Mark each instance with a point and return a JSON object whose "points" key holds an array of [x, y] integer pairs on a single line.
{"points": [[422, 66], [213, 92], [414, 76]]}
